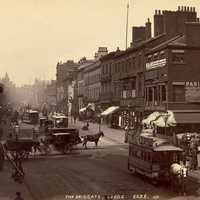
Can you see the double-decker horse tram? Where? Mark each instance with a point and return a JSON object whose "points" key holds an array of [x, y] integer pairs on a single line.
{"points": [[152, 156]]}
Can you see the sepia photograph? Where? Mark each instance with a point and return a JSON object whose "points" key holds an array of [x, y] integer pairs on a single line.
{"points": [[100, 100]]}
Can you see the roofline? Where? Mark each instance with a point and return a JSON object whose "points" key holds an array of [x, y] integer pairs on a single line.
{"points": [[140, 45], [164, 44]]}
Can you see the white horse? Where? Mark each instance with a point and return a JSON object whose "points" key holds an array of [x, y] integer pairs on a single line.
{"points": [[178, 175]]}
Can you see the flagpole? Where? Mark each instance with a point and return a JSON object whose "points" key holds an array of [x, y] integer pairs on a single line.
{"points": [[127, 24]]}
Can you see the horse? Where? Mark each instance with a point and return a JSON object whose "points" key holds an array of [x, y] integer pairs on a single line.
{"points": [[92, 138], [178, 176]]}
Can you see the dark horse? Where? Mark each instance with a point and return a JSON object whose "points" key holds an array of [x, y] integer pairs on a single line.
{"points": [[92, 138]]}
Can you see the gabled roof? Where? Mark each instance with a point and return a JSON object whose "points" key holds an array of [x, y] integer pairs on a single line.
{"points": [[178, 40]]}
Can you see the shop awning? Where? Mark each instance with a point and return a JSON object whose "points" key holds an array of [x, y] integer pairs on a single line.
{"points": [[167, 148], [110, 110], [187, 118], [152, 117], [161, 119], [82, 109]]}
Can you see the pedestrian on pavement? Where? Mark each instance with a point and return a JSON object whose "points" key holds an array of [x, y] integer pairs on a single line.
{"points": [[126, 133], [18, 196]]}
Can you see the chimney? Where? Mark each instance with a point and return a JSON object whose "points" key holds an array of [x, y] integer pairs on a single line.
{"points": [[138, 34], [148, 29], [181, 8]]}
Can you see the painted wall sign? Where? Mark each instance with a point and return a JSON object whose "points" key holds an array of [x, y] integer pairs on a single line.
{"points": [[192, 91]]}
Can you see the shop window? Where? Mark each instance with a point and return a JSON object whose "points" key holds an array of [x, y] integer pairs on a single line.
{"points": [[179, 93]]}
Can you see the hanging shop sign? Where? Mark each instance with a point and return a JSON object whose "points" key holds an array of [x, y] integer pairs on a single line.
{"points": [[156, 64]]}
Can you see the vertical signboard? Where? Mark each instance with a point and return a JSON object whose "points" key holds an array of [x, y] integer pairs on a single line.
{"points": [[192, 91]]}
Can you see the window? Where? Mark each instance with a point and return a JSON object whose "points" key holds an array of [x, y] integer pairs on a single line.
{"points": [[150, 95], [155, 95], [163, 92], [133, 63], [158, 95], [162, 54], [178, 56], [133, 84], [149, 58], [155, 56]]}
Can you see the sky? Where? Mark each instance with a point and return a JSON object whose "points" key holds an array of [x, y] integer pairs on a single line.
{"points": [[36, 34]]}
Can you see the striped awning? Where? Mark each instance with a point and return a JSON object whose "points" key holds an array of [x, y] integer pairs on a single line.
{"points": [[82, 109], [110, 110]]}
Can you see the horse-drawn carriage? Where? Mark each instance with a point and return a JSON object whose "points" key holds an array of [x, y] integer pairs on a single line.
{"points": [[63, 139]]}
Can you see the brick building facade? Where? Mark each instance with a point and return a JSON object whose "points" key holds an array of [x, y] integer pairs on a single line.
{"points": [[65, 73], [130, 72]]}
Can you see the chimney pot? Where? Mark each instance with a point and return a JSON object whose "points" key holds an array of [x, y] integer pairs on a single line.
{"points": [[184, 8], [159, 12], [178, 8], [155, 12], [194, 9], [188, 9], [181, 8]]}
